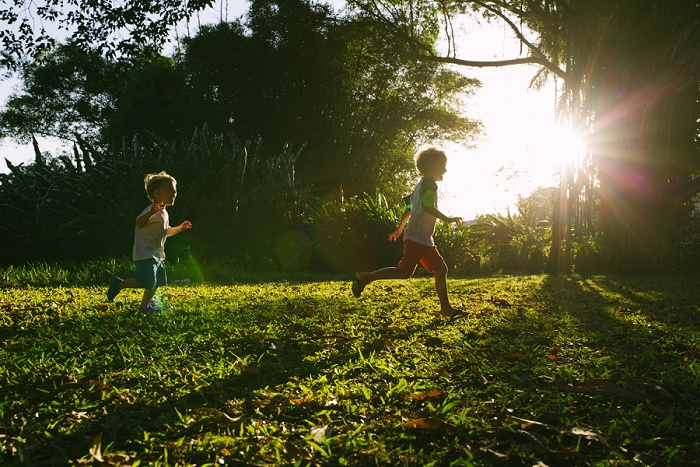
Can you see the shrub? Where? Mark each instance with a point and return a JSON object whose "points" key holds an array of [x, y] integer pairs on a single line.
{"points": [[352, 235]]}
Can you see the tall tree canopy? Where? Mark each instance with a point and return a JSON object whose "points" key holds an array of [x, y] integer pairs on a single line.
{"points": [[295, 73], [291, 72]]}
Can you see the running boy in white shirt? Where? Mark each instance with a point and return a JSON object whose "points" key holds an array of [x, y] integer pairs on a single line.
{"points": [[152, 229], [421, 208]]}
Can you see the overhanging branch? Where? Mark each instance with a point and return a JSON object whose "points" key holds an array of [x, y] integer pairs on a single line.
{"points": [[497, 63]]}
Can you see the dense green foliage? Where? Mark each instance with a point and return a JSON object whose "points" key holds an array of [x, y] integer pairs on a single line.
{"points": [[543, 370], [238, 196], [292, 73]]}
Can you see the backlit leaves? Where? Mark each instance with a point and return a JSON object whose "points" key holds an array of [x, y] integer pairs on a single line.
{"points": [[111, 27]]}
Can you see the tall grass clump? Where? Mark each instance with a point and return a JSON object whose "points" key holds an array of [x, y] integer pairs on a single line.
{"points": [[239, 196]]}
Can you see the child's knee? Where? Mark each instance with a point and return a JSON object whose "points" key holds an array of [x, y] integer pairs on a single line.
{"points": [[441, 270], [149, 284]]}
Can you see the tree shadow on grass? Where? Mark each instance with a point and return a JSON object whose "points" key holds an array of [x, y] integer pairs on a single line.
{"points": [[626, 371], [588, 368]]}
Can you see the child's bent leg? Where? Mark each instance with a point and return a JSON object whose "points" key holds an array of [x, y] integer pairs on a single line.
{"points": [[363, 278], [118, 285], [382, 274]]}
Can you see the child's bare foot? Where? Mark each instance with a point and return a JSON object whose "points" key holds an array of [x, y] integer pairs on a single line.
{"points": [[450, 312], [357, 285]]}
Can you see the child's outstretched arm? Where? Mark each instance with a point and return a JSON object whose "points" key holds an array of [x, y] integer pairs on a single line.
{"points": [[433, 211], [399, 230], [180, 228], [142, 220]]}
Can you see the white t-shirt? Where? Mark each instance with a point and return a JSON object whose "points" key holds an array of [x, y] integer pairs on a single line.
{"points": [[149, 241], [421, 226]]}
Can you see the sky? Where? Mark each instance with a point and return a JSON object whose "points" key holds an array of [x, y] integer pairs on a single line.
{"points": [[519, 150]]}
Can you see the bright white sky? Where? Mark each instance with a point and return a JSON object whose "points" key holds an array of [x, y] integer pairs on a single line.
{"points": [[519, 151]]}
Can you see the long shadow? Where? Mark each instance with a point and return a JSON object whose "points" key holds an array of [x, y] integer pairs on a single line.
{"points": [[631, 326], [635, 320]]}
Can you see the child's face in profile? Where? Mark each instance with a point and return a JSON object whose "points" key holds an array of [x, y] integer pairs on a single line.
{"points": [[436, 171], [165, 193]]}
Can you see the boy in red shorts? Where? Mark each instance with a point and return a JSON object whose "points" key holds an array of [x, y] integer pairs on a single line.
{"points": [[421, 208]]}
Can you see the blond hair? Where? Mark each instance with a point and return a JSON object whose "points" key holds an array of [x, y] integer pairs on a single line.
{"points": [[153, 181], [429, 157]]}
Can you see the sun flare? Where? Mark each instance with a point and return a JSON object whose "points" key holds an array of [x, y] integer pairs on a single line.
{"points": [[567, 147]]}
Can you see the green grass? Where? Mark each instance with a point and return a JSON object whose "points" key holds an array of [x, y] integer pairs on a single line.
{"points": [[601, 370]]}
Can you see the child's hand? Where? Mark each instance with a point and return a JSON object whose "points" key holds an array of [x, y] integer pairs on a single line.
{"points": [[159, 206], [394, 235], [186, 225], [456, 220]]}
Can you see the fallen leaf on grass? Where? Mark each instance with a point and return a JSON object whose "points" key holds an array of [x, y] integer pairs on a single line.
{"points": [[585, 433], [99, 459], [320, 432], [202, 413], [514, 356], [429, 424], [429, 394], [96, 448]]}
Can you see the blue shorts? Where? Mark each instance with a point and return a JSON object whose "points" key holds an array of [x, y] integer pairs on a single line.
{"points": [[150, 274]]}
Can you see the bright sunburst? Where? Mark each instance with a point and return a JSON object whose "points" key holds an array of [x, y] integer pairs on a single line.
{"points": [[567, 147]]}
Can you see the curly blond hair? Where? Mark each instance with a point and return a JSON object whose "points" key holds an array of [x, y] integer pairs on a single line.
{"points": [[153, 181], [429, 157]]}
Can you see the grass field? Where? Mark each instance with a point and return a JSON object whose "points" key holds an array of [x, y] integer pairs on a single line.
{"points": [[542, 370]]}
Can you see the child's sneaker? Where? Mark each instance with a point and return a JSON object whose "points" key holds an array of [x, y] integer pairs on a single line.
{"points": [[451, 313], [113, 289], [152, 308]]}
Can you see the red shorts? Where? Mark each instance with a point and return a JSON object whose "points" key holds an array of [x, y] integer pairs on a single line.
{"points": [[413, 253]]}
